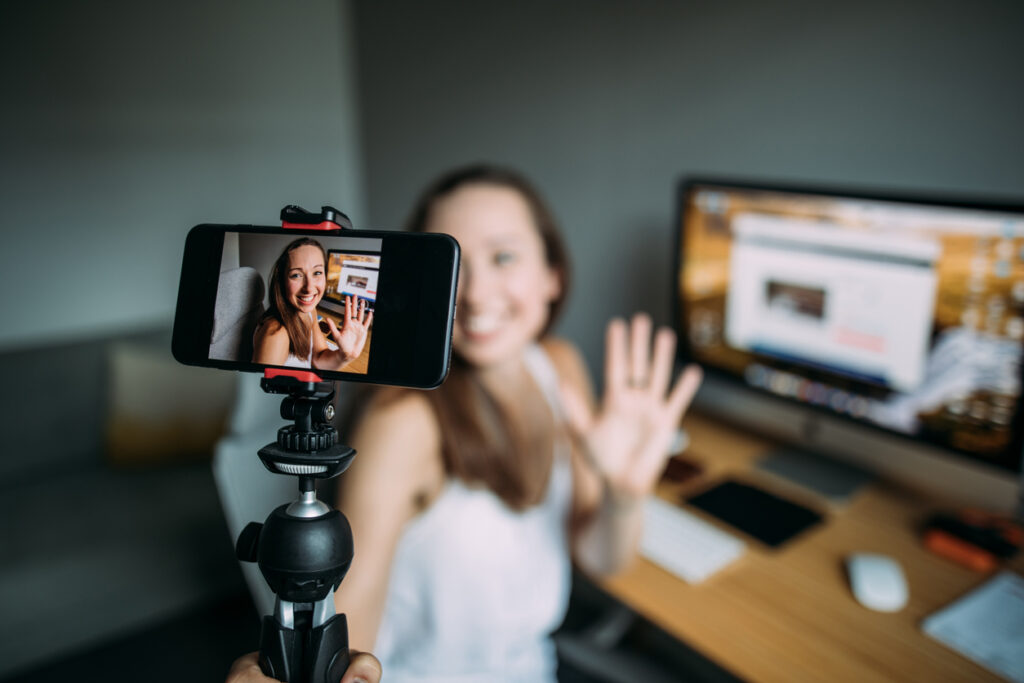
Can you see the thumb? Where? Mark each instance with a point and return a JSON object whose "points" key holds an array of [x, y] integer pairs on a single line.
{"points": [[362, 668]]}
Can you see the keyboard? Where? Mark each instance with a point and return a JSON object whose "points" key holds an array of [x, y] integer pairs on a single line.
{"points": [[685, 544]]}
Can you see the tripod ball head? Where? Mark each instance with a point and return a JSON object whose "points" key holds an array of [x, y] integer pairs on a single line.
{"points": [[302, 559]]}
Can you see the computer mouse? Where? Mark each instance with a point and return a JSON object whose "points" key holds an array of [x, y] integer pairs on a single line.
{"points": [[877, 581]]}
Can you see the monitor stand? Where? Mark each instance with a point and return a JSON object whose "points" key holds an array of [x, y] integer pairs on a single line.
{"points": [[835, 480]]}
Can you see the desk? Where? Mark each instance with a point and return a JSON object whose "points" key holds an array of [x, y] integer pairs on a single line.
{"points": [[788, 615]]}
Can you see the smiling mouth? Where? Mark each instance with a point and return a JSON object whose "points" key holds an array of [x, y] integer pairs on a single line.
{"points": [[481, 324], [306, 300]]}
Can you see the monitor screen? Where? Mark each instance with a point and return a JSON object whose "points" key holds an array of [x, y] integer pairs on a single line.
{"points": [[352, 274], [901, 315]]}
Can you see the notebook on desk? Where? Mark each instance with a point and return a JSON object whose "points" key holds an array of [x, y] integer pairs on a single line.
{"points": [[986, 626]]}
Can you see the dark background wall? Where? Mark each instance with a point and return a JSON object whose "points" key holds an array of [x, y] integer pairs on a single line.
{"points": [[606, 104], [126, 123]]}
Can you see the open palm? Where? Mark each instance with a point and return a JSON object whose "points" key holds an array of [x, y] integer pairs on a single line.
{"points": [[627, 437], [351, 337]]}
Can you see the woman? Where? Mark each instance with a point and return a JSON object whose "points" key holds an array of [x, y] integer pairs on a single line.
{"points": [[288, 334], [468, 503]]}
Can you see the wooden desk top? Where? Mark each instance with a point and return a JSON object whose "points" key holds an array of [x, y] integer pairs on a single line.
{"points": [[788, 615]]}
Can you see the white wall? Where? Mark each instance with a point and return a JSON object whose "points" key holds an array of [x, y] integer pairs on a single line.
{"points": [[606, 103], [125, 123]]}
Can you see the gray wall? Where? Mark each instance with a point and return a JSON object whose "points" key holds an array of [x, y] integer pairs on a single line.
{"points": [[125, 123], [606, 104]]}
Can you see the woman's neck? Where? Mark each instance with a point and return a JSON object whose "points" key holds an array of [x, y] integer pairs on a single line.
{"points": [[505, 378]]}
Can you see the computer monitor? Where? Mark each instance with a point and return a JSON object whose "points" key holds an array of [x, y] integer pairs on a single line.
{"points": [[881, 330], [352, 273]]}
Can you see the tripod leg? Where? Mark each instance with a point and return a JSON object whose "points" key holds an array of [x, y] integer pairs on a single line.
{"points": [[328, 650], [280, 651], [304, 655]]}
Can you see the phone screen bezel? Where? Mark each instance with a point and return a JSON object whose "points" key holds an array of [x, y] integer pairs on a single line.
{"points": [[413, 317]]}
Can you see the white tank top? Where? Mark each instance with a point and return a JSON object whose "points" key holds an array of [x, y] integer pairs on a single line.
{"points": [[477, 588], [293, 361]]}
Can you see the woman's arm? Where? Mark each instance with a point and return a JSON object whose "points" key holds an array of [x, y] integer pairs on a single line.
{"points": [[397, 467], [271, 343], [622, 443], [604, 531]]}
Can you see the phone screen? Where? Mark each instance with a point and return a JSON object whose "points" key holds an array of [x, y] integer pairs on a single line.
{"points": [[337, 281], [373, 307]]}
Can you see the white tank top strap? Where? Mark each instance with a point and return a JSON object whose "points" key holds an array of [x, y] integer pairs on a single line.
{"points": [[540, 366], [544, 373]]}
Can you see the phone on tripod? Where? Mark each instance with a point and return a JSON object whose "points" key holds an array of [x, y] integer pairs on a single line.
{"points": [[309, 303], [242, 286]]}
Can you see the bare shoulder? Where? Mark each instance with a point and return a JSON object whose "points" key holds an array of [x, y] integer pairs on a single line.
{"points": [[398, 433], [270, 325], [271, 342], [271, 328], [561, 349], [568, 361], [404, 410]]}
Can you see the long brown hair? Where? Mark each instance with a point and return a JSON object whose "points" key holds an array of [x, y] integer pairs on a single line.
{"points": [[480, 441], [281, 309]]}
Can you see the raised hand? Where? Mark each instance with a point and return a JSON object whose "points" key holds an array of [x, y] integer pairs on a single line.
{"points": [[627, 437], [351, 337]]}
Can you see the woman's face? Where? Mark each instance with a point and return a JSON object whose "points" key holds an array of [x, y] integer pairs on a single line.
{"points": [[505, 284], [305, 278]]}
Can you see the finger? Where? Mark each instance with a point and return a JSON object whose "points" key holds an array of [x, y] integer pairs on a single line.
{"points": [[362, 310], [615, 363], [664, 357], [683, 392], [639, 350], [369, 320], [348, 307], [362, 667], [335, 332], [246, 668]]}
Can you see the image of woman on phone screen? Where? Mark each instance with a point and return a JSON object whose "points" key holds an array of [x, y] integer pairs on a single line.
{"points": [[288, 334], [469, 503]]}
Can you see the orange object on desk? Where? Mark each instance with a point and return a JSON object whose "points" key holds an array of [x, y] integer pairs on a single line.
{"points": [[952, 548]]}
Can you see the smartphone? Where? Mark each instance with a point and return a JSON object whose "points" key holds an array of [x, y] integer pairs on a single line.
{"points": [[243, 288]]}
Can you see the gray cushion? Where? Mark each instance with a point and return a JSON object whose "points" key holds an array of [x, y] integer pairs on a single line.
{"points": [[238, 308]]}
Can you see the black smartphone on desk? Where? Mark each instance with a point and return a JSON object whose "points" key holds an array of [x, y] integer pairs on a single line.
{"points": [[249, 296], [756, 512]]}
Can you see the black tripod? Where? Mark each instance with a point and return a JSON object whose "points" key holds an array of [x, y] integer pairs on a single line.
{"points": [[304, 549]]}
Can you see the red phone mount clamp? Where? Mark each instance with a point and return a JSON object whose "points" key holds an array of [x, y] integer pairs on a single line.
{"points": [[281, 381], [329, 219]]}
